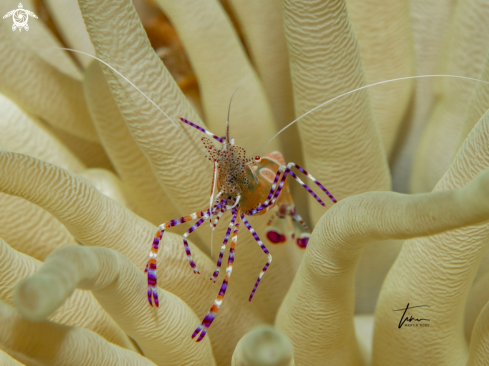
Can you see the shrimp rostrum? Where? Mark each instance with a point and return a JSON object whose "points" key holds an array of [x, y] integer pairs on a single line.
{"points": [[245, 187]]}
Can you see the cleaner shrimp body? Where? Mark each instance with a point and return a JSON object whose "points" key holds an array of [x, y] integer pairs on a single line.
{"points": [[246, 187]]}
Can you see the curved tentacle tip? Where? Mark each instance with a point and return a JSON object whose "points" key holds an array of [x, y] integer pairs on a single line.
{"points": [[264, 345], [37, 297], [303, 240]]}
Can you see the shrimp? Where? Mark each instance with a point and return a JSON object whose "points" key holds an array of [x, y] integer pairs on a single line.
{"points": [[246, 187]]}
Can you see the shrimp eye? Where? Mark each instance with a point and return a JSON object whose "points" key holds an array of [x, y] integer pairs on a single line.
{"points": [[257, 159]]}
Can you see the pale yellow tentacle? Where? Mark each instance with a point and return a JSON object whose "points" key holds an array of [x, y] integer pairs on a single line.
{"points": [[26, 134], [428, 269], [385, 38], [8, 360], [23, 223], [159, 140], [81, 309], [320, 302], [96, 220], [263, 29], [341, 142], [162, 333], [476, 300], [53, 344], [69, 21], [41, 89], [92, 154], [221, 66], [127, 158], [264, 345], [110, 185], [262, 24], [464, 54], [39, 37], [430, 21], [479, 345], [479, 104]]}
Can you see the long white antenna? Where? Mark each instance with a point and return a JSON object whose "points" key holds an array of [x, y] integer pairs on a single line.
{"points": [[132, 84], [361, 88]]}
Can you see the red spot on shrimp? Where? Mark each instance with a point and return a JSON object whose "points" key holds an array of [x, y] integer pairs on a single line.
{"points": [[302, 241], [275, 237]]}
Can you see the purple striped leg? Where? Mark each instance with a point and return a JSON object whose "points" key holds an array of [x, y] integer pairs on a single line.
{"points": [[320, 201], [209, 318], [280, 170], [151, 265], [216, 208], [272, 197], [311, 178], [220, 139], [286, 172], [223, 248], [282, 182], [185, 242], [222, 208], [265, 250]]}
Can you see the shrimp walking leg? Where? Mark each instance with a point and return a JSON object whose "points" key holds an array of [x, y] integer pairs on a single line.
{"points": [[223, 247], [303, 171], [274, 193], [151, 265], [265, 250], [209, 318], [222, 209], [185, 243]]}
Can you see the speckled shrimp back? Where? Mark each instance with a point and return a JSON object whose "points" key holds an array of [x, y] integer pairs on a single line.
{"points": [[246, 187]]}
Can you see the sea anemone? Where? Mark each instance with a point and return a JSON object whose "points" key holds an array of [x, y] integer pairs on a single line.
{"points": [[93, 159]]}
